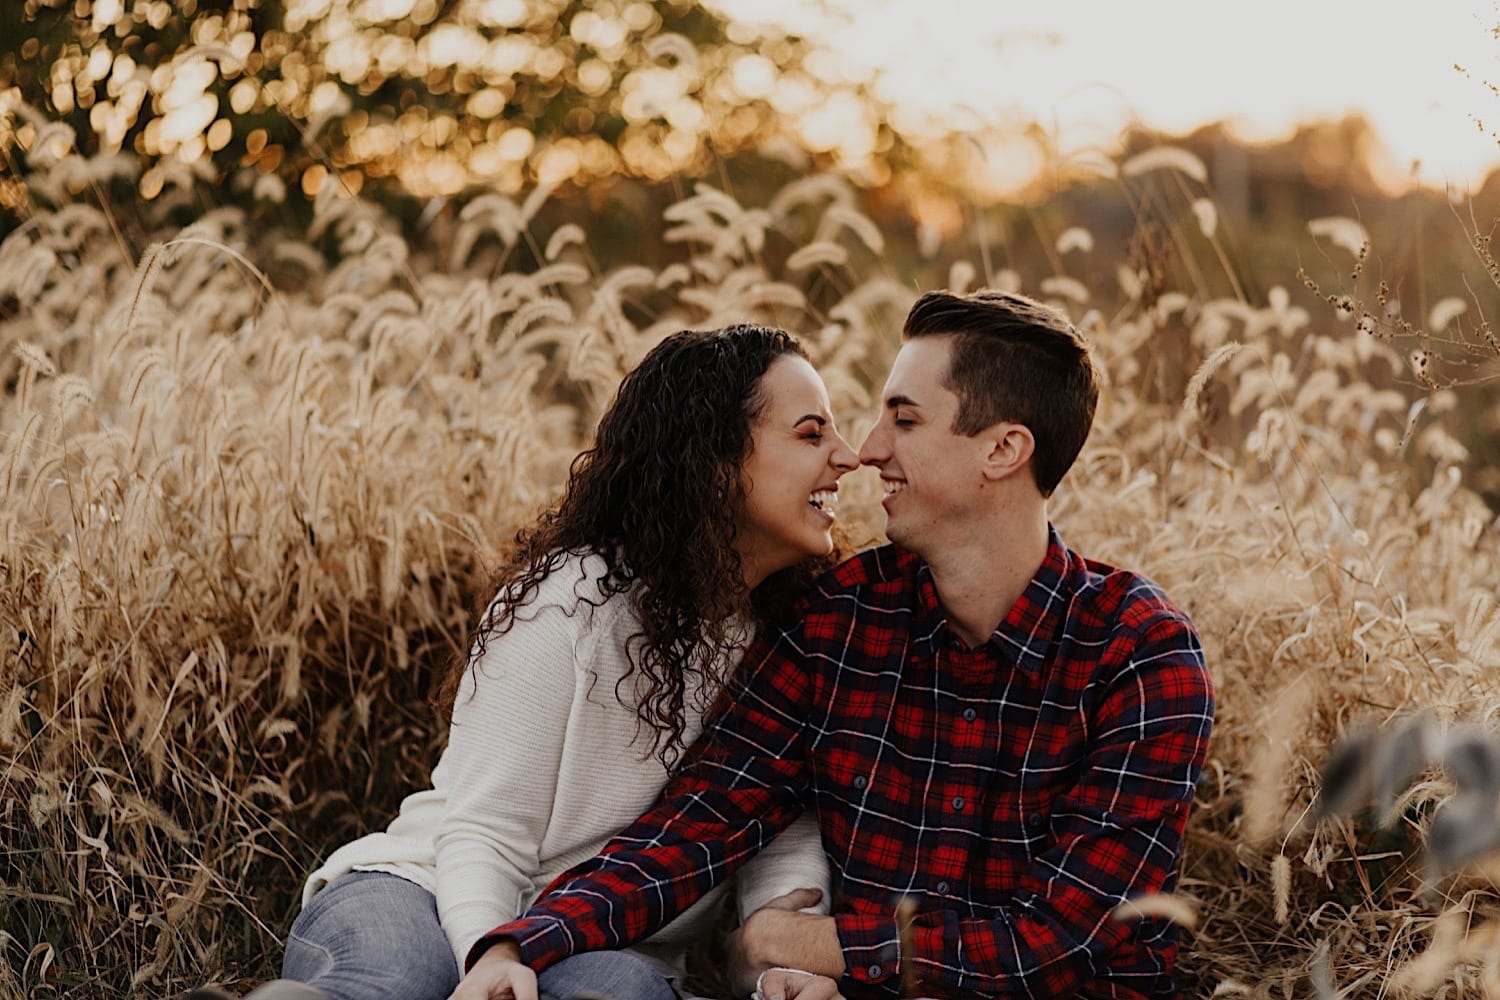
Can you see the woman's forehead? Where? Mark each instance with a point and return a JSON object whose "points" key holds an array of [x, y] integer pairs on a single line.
{"points": [[792, 383]]}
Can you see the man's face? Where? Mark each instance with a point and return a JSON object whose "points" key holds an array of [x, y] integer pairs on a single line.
{"points": [[931, 474]]}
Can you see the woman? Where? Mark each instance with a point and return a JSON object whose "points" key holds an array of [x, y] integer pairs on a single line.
{"points": [[706, 500]]}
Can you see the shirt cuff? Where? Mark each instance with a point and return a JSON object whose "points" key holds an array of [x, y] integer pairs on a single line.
{"points": [[543, 941], [872, 946]]}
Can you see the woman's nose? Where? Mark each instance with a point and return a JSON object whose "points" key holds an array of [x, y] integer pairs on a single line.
{"points": [[843, 458]]}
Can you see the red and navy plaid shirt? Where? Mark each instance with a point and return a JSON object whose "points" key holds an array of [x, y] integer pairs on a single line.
{"points": [[1016, 792]]}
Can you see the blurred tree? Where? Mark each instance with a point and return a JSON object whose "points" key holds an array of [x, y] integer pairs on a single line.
{"points": [[436, 95]]}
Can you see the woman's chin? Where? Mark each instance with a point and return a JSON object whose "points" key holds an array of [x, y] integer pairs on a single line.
{"points": [[815, 545], [823, 548]]}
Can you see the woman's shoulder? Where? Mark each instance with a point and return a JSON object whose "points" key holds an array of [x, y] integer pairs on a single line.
{"points": [[575, 604], [579, 582]]}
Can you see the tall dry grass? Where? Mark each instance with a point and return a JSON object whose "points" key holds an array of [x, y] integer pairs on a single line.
{"points": [[252, 485]]}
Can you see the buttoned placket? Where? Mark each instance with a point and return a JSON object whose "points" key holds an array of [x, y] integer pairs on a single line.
{"points": [[965, 755]]}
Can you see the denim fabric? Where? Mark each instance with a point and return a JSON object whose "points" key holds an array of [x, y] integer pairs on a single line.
{"points": [[605, 975], [371, 936]]}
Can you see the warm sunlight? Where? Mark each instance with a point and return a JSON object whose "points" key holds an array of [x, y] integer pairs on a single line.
{"points": [[1083, 69], [399, 398]]}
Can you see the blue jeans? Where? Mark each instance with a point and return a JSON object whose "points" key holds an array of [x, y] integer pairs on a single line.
{"points": [[372, 936], [609, 975]]}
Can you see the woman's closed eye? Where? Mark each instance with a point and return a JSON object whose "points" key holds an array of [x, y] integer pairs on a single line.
{"points": [[812, 429]]}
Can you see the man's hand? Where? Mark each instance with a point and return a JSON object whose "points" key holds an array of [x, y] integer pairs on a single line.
{"points": [[787, 984], [498, 975], [777, 935], [742, 970], [797, 899]]}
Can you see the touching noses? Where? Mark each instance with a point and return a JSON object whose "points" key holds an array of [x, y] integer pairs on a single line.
{"points": [[843, 457]]}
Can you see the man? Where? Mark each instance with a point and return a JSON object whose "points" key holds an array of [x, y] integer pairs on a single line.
{"points": [[1000, 738]]}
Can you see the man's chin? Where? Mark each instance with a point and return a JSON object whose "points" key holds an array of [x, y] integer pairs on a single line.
{"points": [[900, 533]]}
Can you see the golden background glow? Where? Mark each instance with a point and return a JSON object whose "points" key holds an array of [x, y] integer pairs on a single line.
{"points": [[1035, 90]]}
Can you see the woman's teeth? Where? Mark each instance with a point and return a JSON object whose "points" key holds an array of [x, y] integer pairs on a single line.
{"points": [[824, 500]]}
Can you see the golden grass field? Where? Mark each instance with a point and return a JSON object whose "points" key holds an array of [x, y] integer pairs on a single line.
{"points": [[252, 484]]}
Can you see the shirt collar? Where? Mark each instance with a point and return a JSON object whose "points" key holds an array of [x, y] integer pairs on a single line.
{"points": [[1028, 632], [931, 622]]}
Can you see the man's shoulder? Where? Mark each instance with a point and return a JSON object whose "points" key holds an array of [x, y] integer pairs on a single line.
{"points": [[865, 596], [1125, 598], [887, 569], [877, 581], [1142, 629]]}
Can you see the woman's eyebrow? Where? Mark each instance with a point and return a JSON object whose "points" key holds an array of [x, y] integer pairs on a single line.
{"points": [[821, 420]]}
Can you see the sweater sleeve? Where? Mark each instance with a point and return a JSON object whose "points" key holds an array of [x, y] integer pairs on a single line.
{"points": [[794, 860], [504, 754]]}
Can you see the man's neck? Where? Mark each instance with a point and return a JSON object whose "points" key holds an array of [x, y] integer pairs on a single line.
{"points": [[978, 582]]}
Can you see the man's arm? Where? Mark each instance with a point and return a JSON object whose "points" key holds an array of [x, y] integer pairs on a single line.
{"points": [[1117, 834], [742, 783]]}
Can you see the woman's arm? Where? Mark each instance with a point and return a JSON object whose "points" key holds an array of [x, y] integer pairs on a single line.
{"points": [[501, 766], [794, 860]]}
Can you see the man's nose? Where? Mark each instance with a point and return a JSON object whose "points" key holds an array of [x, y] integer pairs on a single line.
{"points": [[874, 451]]}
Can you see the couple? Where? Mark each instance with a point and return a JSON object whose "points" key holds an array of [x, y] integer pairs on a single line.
{"points": [[990, 741]]}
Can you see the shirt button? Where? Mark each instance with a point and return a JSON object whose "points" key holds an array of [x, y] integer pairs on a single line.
{"points": [[874, 971], [942, 888], [958, 803], [1034, 821], [970, 715], [860, 781]]}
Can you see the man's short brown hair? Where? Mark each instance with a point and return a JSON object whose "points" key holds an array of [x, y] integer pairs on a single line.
{"points": [[1015, 360]]}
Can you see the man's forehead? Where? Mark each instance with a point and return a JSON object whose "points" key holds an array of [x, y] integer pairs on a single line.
{"points": [[921, 364]]}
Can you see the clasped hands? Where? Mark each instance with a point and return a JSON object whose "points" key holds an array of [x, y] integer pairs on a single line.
{"points": [[777, 954], [786, 984], [782, 954]]}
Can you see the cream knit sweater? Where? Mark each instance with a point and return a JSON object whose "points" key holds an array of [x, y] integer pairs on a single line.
{"points": [[544, 765]]}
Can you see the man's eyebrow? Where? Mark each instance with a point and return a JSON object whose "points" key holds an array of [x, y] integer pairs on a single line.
{"points": [[891, 402]]}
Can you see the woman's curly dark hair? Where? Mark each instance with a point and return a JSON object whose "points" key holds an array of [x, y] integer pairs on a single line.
{"points": [[657, 497]]}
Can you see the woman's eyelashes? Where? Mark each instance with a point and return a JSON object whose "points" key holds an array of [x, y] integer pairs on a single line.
{"points": [[812, 429]]}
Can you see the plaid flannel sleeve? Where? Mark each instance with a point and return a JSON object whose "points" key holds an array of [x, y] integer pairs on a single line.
{"points": [[1117, 834], [741, 784]]}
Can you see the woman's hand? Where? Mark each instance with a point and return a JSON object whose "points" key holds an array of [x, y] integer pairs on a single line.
{"points": [[498, 975], [787, 984]]}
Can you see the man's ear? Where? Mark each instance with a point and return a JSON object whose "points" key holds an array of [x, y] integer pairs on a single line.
{"points": [[1010, 449]]}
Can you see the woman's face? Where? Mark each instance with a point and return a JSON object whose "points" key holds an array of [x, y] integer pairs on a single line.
{"points": [[790, 481]]}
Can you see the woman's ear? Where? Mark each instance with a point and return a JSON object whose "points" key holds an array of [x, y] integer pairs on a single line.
{"points": [[1010, 449]]}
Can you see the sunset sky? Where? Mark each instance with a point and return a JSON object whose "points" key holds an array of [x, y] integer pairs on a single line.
{"points": [[1085, 68]]}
